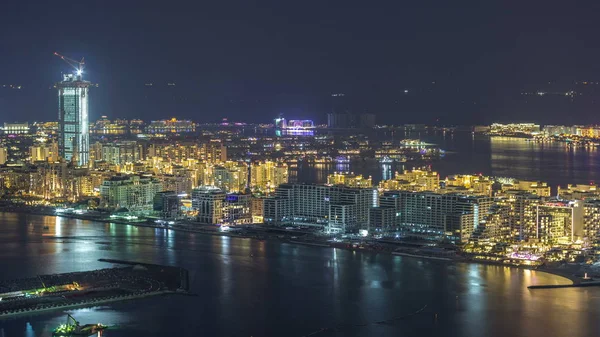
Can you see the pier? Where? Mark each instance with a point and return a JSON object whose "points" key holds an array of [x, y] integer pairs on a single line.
{"points": [[79, 289]]}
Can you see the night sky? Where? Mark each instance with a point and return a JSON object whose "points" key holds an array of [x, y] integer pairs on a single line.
{"points": [[250, 61]]}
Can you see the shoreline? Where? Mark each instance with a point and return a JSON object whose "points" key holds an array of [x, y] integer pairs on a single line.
{"points": [[552, 271]]}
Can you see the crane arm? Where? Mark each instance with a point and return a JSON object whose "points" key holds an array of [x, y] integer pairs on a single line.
{"points": [[77, 65]]}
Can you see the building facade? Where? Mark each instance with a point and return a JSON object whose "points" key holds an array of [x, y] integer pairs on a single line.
{"points": [[167, 205], [208, 202], [73, 121], [334, 208], [132, 192]]}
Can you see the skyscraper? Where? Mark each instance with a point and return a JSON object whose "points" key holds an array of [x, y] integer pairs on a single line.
{"points": [[73, 125]]}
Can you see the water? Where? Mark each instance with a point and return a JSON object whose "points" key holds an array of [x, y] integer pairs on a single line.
{"points": [[554, 163], [288, 290]]}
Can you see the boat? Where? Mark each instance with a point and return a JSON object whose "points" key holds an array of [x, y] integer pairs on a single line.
{"points": [[73, 328]]}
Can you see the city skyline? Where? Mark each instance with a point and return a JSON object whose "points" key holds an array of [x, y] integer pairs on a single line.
{"points": [[299, 168], [404, 63]]}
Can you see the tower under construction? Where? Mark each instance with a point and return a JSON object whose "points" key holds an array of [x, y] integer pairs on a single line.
{"points": [[73, 122]]}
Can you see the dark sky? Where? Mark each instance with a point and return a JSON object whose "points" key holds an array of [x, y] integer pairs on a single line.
{"points": [[247, 60]]}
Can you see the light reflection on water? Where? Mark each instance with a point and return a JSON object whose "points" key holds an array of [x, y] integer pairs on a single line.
{"points": [[265, 288]]}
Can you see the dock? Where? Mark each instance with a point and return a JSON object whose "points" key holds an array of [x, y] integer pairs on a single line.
{"points": [[88, 288]]}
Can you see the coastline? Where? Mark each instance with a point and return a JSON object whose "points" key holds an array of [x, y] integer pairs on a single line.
{"points": [[568, 275]]}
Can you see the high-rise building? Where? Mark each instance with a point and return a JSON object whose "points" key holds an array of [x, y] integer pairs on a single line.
{"points": [[73, 127]]}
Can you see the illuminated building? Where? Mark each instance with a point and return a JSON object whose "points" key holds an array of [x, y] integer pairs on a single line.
{"points": [[266, 176], [349, 179], [257, 209], [44, 152], [334, 208], [93, 180], [181, 181], [555, 130], [231, 177], [515, 129], [172, 125], [208, 202], [300, 124], [412, 180], [3, 155], [104, 126], [122, 152], [591, 220], [589, 132], [73, 124], [58, 180], [494, 225], [578, 191], [136, 126], [468, 184], [211, 152], [535, 187], [167, 205], [47, 128], [280, 123], [522, 213], [16, 179], [434, 216], [559, 222], [237, 209], [16, 128], [132, 192]]}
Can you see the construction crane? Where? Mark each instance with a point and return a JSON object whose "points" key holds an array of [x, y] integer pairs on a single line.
{"points": [[77, 65]]}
